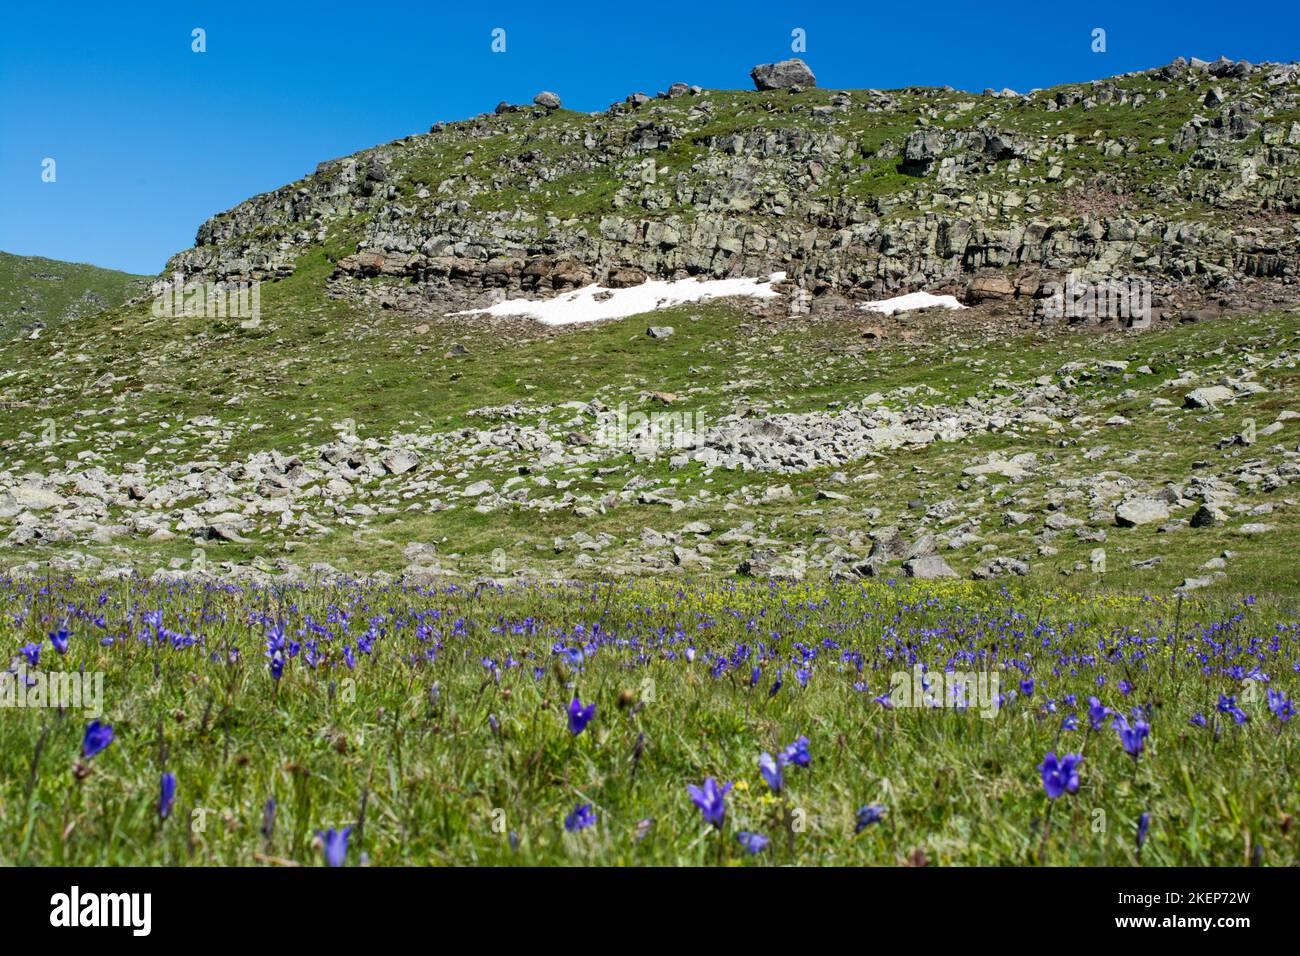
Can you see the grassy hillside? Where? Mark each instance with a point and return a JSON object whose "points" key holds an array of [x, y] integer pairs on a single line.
{"points": [[137, 442], [38, 291], [163, 398]]}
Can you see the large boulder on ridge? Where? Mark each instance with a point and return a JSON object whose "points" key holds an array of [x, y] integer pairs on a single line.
{"points": [[783, 75]]}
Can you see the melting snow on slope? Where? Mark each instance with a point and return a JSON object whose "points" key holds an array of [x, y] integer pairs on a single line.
{"points": [[911, 302], [593, 303]]}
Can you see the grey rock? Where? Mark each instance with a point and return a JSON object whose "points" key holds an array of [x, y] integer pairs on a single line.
{"points": [[1211, 396], [928, 567], [999, 567], [1207, 517], [398, 461], [1140, 511], [783, 75], [1255, 527]]}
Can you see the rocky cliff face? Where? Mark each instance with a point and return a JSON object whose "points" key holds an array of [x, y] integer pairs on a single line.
{"points": [[1188, 175]]}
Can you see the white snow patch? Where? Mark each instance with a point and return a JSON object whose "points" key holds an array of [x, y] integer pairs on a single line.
{"points": [[593, 303], [911, 302]]}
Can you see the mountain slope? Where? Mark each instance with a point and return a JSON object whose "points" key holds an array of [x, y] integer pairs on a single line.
{"points": [[1189, 174], [37, 292], [363, 422]]}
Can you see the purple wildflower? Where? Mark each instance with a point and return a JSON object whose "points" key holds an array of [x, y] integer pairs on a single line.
{"points": [[334, 844], [97, 737], [797, 753], [1060, 776], [580, 716], [710, 798], [1097, 713], [60, 638], [872, 813], [1132, 736], [581, 818], [167, 796], [1280, 705]]}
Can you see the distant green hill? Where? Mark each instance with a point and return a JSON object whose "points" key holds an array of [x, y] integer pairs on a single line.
{"points": [[37, 290]]}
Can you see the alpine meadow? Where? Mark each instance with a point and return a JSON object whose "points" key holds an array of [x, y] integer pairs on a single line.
{"points": [[762, 476]]}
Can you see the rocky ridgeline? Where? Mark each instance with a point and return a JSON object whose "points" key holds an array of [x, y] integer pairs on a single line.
{"points": [[1188, 174]]}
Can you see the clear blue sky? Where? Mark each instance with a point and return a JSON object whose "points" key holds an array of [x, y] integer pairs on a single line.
{"points": [[151, 138]]}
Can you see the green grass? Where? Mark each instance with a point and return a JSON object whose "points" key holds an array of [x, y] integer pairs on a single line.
{"points": [[407, 743], [34, 289]]}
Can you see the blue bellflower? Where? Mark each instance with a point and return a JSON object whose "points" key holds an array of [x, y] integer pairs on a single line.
{"points": [[711, 799], [797, 753], [872, 813], [770, 768], [580, 716], [1060, 776], [167, 795], [97, 737], [1144, 824], [60, 637], [1132, 736], [334, 844], [581, 818]]}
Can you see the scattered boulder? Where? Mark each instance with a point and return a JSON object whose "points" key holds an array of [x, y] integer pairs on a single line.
{"points": [[1140, 511], [766, 565], [999, 567], [36, 499], [625, 277], [1207, 517], [1211, 396], [547, 100], [1255, 527], [928, 567], [990, 288], [783, 75], [398, 461], [887, 545], [418, 553]]}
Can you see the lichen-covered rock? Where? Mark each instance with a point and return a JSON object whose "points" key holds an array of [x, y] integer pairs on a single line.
{"points": [[782, 75], [928, 567]]}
